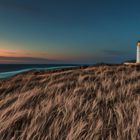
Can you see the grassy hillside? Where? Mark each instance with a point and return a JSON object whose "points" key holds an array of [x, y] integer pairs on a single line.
{"points": [[94, 103]]}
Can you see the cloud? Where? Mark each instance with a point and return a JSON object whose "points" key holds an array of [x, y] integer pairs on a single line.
{"points": [[113, 52], [26, 60]]}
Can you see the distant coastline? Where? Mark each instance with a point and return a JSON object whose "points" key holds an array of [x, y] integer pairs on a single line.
{"points": [[17, 69], [9, 70]]}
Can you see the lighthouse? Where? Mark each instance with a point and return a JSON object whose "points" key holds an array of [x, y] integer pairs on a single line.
{"points": [[138, 52]]}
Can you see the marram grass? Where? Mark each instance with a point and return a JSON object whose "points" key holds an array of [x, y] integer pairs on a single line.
{"points": [[95, 103]]}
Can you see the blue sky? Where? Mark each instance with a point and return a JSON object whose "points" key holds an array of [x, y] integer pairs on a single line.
{"points": [[69, 31]]}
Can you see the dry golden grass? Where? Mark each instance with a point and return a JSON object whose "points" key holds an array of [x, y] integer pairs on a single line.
{"points": [[95, 103]]}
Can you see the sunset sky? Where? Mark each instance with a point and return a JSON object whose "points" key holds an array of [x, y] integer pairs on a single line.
{"points": [[68, 31]]}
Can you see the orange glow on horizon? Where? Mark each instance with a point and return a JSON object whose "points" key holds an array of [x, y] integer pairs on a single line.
{"points": [[25, 53], [12, 49]]}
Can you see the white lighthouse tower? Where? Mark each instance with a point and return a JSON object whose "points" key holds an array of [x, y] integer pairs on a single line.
{"points": [[138, 52]]}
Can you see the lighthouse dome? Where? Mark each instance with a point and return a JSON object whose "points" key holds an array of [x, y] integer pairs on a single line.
{"points": [[138, 43]]}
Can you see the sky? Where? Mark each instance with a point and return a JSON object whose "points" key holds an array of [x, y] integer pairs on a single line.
{"points": [[68, 31]]}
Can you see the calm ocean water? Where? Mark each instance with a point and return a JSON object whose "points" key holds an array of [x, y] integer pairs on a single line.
{"points": [[8, 70]]}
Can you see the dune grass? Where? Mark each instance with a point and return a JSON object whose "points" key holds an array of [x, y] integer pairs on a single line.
{"points": [[95, 103]]}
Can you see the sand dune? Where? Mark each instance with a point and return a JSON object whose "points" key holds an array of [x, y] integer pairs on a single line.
{"points": [[91, 103]]}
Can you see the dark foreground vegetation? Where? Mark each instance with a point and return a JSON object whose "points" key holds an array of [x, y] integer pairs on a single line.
{"points": [[91, 103]]}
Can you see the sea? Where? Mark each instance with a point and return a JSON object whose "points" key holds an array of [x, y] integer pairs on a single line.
{"points": [[8, 70]]}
